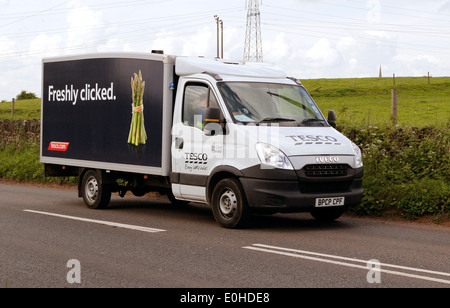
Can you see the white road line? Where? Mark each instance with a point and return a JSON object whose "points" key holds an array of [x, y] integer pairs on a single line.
{"points": [[353, 259], [308, 255], [101, 222]]}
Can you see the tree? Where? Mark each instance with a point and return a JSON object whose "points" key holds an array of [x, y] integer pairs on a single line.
{"points": [[25, 95]]}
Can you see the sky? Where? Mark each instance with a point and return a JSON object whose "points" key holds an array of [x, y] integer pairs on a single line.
{"points": [[309, 39]]}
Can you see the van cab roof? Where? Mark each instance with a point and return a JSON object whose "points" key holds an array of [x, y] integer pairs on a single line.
{"points": [[186, 66]]}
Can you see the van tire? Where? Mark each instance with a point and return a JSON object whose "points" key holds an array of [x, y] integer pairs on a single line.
{"points": [[229, 205], [95, 194]]}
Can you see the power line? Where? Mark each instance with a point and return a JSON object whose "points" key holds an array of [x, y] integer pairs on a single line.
{"points": [[33, 15], [360, 31], [109, 5], [138, 36], [159, 22], [367, 41]]}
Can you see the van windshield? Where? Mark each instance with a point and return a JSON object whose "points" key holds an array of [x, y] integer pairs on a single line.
{"points": [[257, 103]]}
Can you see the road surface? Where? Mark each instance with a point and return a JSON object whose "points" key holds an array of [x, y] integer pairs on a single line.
{"points": [[48, 238]]}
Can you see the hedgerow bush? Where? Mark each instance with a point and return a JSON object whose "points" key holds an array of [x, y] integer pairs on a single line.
{"points": [[20, 156], [406, 170]]}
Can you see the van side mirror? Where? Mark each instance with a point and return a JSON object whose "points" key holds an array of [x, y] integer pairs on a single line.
{"points": [[332, 119], [213, 122]]}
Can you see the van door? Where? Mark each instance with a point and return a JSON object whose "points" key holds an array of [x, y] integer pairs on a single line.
{"points": [[198, 151]]}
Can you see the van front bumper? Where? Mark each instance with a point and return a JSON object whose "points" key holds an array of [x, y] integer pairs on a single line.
{"points": [[289, 191]]}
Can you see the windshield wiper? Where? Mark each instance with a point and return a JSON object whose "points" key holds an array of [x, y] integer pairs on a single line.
{"points": [[312, 120], [270, 119]]}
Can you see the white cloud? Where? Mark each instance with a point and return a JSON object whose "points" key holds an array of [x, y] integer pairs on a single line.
{"points": [[374, 14], [276, 50], [7, 46], [323, 53], [419, 65], [45, 44], [83, 31], [233, 44], [112, 45], [167, 41], [445, 6], [203, 43], [379, 34]]}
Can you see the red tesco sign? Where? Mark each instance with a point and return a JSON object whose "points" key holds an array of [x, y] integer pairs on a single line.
{"points": [[58, 146]]}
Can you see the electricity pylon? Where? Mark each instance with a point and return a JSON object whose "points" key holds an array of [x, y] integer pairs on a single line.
{"points": [[253, 42]]}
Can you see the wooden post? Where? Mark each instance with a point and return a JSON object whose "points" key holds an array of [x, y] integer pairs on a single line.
{"points": [[394, 79], [394, 106], [12, 107]]}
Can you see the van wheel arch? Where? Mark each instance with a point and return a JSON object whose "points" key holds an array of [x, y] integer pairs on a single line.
{"points": [[218, 174]]}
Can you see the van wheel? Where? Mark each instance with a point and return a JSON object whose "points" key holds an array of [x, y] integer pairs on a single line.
{"points": [[95, 194], [327, 215], [229, 205]]}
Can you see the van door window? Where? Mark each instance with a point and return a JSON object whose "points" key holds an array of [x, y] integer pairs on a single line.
{"points": [[197, 98]]}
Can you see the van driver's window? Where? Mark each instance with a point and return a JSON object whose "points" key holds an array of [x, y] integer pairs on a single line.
{"points": [[197, 98]]}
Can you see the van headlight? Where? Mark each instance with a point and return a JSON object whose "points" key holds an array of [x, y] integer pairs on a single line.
{"points": [[358, 156], [272, 157]]}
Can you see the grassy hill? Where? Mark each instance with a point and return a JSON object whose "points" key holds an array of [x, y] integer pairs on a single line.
{"points": [[361, 101], [367, 101], [23, 109]]}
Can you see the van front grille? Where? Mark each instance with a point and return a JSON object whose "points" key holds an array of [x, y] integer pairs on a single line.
{"points": [[326, 170]]}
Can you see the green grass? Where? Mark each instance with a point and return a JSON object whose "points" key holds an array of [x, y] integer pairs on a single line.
{"points": [[361, 101], [24, 109], [367, 101], [19, 161]]}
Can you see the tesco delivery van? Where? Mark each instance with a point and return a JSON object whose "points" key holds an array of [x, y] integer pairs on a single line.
{"points": [[241, 137]]}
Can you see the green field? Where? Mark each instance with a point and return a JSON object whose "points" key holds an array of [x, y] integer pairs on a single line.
{"points": [[367, 101], [360, 101], [23, 109]]}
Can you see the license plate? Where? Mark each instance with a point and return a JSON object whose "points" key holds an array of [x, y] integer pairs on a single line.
{"points": [[328, 202]]}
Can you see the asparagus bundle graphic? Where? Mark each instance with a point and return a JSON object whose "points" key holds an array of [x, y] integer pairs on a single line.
{"points": [[137, 135]]}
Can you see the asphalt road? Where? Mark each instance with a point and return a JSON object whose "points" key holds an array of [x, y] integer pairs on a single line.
{"points": [[147, 242]]}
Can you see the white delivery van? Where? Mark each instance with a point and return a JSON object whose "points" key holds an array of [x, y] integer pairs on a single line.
{"points": [[241, 137]]}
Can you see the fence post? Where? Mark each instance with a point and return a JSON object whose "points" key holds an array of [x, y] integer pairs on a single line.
{"points": [[12, 107], [394, 106]]}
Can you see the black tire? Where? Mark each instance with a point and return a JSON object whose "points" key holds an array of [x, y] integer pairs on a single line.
{"points": [[229, 205], [95, 194], [327, 214]]}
